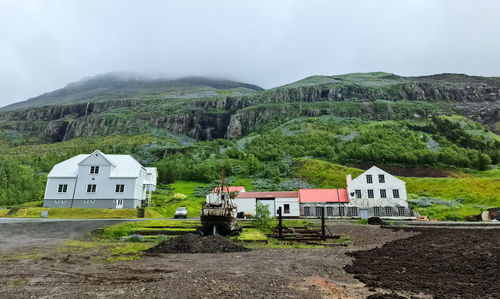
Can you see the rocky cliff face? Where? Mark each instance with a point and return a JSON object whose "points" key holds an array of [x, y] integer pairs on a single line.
{"points": [[231, 117]]}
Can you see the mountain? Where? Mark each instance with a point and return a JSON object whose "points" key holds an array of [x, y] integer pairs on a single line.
{"points": [[206, 109], [118, 86]]}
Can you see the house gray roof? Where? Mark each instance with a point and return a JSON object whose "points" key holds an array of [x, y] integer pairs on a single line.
{"points": [[125, 166]]}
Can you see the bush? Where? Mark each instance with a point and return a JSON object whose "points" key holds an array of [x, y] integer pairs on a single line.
{"points": [[262, 219]]}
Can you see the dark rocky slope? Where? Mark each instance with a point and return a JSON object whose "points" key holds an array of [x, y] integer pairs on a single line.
{"points": [[373, 96]]}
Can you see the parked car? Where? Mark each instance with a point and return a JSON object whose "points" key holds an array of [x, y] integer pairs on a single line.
{"points": [[181, 212]]}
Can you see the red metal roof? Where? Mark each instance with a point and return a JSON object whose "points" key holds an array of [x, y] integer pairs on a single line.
{"points": [[276, 194], [231, 189], [323, 195]]}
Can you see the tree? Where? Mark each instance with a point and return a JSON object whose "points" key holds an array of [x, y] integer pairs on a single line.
{"points": [[262, 219]]}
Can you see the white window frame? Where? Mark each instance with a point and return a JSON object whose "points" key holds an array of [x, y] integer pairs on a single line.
{"points": [[395, 193], [119, 188], [92, 200], [370, 192], [376, 211], [63, 200], [388, 209], [92, 187], [354, 212], [383, 191], [308, 209], [86, 201], [56, 201], [381, 179], [329, 211], [94, 169], [285, 211], [358, 193], [401, 211], [62, 188], [369, 179]]}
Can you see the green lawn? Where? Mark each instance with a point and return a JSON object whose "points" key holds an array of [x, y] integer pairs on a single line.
{"points": [[165, 203], [34, 212]]}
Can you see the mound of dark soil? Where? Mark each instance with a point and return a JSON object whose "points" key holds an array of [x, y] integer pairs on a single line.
{"points": [[385, 296], [376, 221], [191, 243], [444, 263]]}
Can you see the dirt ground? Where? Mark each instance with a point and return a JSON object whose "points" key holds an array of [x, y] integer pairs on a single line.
{"points": [[447, 263], [30, 234], [260, 273]]}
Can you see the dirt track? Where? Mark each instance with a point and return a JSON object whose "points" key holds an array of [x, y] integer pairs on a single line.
{"points": [[30, 235]]}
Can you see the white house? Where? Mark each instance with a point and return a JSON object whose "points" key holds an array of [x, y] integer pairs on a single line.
{"points": [[287, 200], [98, 180], [377, 193]]}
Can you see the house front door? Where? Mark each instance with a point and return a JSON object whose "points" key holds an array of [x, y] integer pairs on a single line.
{"points": [[119, 203], [363, 213]]}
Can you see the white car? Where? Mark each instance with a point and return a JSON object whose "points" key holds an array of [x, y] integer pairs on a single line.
{"points": [[181, 212]]}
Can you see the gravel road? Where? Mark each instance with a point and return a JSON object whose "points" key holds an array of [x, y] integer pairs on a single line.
{"points": [[26, 234]]}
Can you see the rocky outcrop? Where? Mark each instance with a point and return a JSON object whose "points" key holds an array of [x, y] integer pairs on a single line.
{"points": [[231, 117]]}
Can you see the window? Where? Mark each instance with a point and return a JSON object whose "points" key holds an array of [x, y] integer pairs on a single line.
{"points": [[370, 193], [401, 211], [383, 193], [307, 211], [86, 201], [329, 211], [94, 169], [341, 211], [369, 179], [63, 200], [388, 211], [56, 201], [92, 201], [358, 193], [62, 188], [286, 208], [120, 188], [395, 193], [381, 178], [318, 211], [91, 188], [376, 211], [354, 211]]}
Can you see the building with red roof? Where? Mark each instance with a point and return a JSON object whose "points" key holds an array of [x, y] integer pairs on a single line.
{"points": [[313, 200], [230, 189]]}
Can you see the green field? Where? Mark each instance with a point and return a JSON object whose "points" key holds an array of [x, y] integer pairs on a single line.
{"points": [[35, 212]]}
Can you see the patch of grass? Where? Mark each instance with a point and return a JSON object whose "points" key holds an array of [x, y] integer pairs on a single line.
{"points": [[361, 221], [251, 234], [3, 212], [34, 212], [125, 229], [165, 202]]}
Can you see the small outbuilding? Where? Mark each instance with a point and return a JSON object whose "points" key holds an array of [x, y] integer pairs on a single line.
{"points": [[246, 202]]}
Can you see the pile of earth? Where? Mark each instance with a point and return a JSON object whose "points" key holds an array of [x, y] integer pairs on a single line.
{"points": [[191, 243], [376, 221], [444, 263]]}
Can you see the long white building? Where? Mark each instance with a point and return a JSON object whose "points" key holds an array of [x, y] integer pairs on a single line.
{"points": [[98, 180]]}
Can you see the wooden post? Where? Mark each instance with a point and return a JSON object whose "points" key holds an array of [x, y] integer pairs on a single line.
{"points": [[280, 225], [323, 222]]}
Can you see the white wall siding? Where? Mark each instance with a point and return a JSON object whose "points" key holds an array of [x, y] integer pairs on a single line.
{"points": [[391, 183], [246, 205], [294, 206]]}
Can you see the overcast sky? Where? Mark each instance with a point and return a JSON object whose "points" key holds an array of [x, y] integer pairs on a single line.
{"points": [[46, 44]]}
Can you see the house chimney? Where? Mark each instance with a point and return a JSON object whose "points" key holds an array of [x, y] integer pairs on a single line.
{"points": [[348, 179]]}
